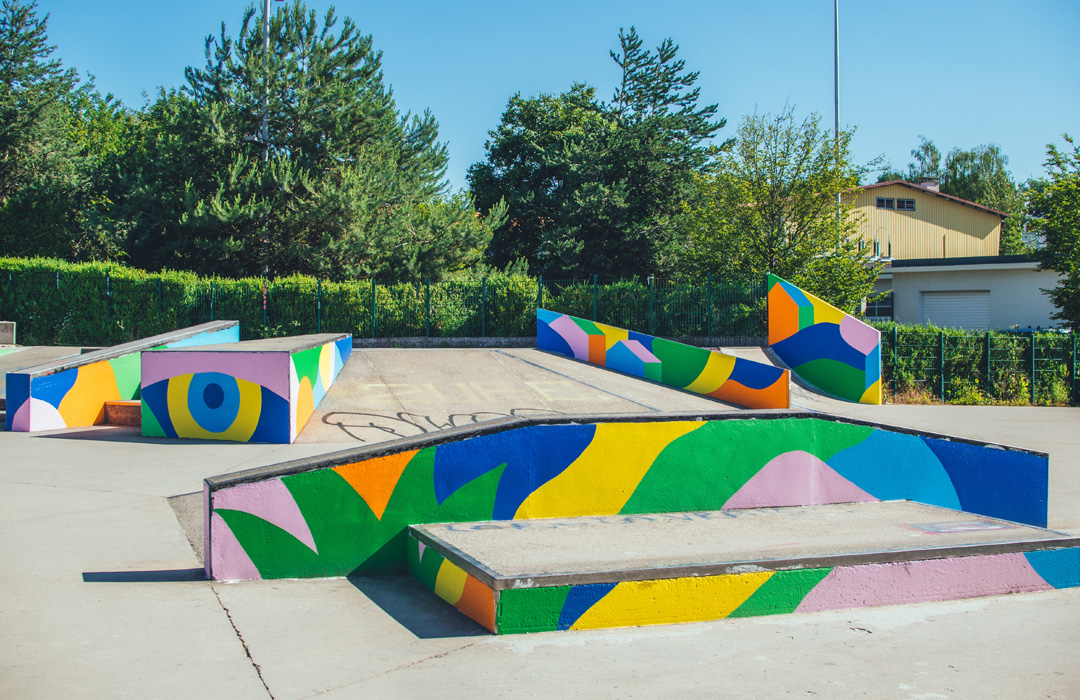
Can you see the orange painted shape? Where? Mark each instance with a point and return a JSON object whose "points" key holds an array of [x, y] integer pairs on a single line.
{"points": [[777, 395], [478, 602], [375, 479], [84, 403], [305, 404], [783, 315], [598, 350]]}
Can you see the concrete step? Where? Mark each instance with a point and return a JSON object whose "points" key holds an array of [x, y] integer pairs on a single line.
{"points": [[624, 570], [123, 413]]}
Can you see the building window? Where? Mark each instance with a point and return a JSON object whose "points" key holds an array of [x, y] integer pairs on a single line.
{"points": [[905, 204], [880, 310], [886, 203]]}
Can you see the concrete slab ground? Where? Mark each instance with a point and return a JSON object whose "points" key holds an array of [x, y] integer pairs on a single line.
{"points": [[101, 595], [13, 359]]}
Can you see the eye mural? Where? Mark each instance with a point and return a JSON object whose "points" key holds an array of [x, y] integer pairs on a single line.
{"points": [[254, 391]]}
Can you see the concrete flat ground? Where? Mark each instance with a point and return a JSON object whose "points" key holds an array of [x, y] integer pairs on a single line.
{"points": [[15, 358], [103, 597]]}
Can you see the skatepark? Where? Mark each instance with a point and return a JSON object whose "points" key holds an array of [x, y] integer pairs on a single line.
{"points": [[108, 593]]}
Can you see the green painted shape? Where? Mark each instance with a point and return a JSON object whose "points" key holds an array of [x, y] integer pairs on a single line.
{"points": [[4, 351], [150, 425], [837, 378], [530, 609], [306, 363], [806, 315], [128, 372], [782, 593], [681, 364], [703, 469], [654, 371], [425, 570], [587, 326], [770, 280], [348, 536]]}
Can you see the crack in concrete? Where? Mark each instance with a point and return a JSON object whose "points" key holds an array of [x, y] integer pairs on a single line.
{"points": [[247, 651], [400, 667]]}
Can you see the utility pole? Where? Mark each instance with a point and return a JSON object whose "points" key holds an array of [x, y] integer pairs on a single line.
{"points": [[836, 94]]}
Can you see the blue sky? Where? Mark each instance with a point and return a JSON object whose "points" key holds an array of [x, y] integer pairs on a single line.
{"points": [[961, 72]]}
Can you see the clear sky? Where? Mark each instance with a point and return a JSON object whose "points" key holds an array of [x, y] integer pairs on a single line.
{"points": [[961, 72]]}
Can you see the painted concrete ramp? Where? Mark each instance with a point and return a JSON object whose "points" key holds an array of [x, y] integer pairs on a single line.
{"points": [[803, 395], [386, 394], [628, 570]]}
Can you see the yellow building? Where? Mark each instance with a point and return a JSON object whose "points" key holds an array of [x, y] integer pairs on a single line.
{"points": [[905, 221]]}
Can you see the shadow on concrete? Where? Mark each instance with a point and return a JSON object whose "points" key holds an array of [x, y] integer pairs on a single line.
{"points": [[117, 433], [153, 576], [416, 608]]}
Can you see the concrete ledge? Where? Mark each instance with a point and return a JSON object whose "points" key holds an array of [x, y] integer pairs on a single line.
{"points": [[530, 342]]}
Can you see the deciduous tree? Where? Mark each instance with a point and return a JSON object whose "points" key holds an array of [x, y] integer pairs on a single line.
{"points": [[1058, 204]]}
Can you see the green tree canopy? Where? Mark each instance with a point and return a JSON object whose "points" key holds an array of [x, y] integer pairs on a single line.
{"points": [[340, 185], [594, 187], [1058, 205], [771, 207]]}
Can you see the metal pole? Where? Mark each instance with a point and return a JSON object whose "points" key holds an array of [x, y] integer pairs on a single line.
{"points": [[211, 300], [319, 305], [594, 296], [1073, 363], [651, 299], [264, 295], [708, 304], [540, 292], [941, 364], [427, 301], [1032, 392], [836, 94], [372, 307], [483, 308], [895, 350], [988, 384]]}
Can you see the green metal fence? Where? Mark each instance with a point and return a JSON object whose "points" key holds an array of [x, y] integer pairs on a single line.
{"points": [[973, 367], [82, 309]]}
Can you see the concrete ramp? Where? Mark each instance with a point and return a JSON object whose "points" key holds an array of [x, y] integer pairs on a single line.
{"points": [[661, 568], [804, 395]]}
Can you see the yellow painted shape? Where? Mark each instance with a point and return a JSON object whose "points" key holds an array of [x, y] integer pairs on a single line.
{"points": [[716, 372], [84, 403], [612, 334], [825, 312], [450, 582], [872, 395], [603, 477], [326, 365], [243, 426], [305, 404], [666, 601], [375, 479]]}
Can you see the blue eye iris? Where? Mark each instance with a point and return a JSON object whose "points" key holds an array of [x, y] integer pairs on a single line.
{"points": [[213, 396]]}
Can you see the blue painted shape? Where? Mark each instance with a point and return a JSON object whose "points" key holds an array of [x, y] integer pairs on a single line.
{"points": [[344, 351], [225, 335], [17, 392], [215, 419], [794, 292], [754, 375], [873, 366], [533, 456], [156, 398], [580, 599], [645, 340], [892, 466], [548, 339], [546, 316], [821, 340], [273, 425], [622, 359], [991, 481], [52, 388], [1058, 567]]}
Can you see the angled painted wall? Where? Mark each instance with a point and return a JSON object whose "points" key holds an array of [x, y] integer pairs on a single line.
{"points": [[72, 392], [348, 513], [254, 391], [822, 345], [702, 371]]}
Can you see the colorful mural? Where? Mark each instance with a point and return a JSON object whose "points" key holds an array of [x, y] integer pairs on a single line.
{"points": [[255, 391], [76, 396], [702, 371], [353, 518], [700, 598], [827, 348]]}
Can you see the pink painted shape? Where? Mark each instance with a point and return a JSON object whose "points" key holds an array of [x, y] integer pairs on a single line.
{"points": [[20, 422], [421, 548], [575, 337], [922, 581], [271, 501], [639, 350], [271, 369], [796, 478], [228, 559], [858, 335]]}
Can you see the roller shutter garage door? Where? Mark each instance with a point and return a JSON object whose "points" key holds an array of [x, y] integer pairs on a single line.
{"points": [[968, 310]]}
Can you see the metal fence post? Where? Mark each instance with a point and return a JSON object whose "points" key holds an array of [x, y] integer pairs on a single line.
{"points": [[651, 300], [988, 384], [373, 317], [160, 300], [427, 303], [211, 300], [108, 292], [483, 308], [1033, 369], [708, 304], [595, 289], [941, 364], [895, 350], [1073, 369], [318, 305], [540, 291]]}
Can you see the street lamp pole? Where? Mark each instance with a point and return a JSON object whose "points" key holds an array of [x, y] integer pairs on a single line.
{"points": [[836, 94]]}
